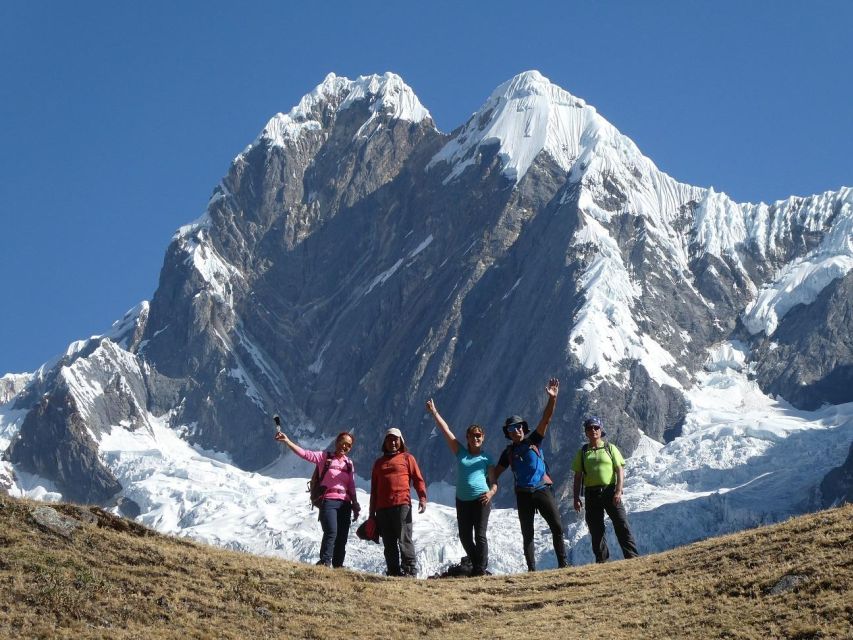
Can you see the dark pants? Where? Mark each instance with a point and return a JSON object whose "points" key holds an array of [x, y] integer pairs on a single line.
{"points": [[543, 502], [599, 500], [335, 520], [472, 518], [395, 527]]}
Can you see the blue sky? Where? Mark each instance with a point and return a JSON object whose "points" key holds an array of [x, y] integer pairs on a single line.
{"points": [[117, 119]]}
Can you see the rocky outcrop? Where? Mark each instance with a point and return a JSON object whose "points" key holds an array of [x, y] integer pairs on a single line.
{"points": [[837, 486], [809, 358], [55, 443], [12, 384]]}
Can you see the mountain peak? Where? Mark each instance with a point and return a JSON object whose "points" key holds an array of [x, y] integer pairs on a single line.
{"points": [[533, 83], [526, 115], [386, 94]]}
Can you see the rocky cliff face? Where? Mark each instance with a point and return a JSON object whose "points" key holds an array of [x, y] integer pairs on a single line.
{"points": [[12, 384], [837, 487], [355, 261]]}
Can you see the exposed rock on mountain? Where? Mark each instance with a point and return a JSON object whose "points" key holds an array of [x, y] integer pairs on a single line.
{"points": [[809, 358], [355, 261], [837, 487], [12, 384]]}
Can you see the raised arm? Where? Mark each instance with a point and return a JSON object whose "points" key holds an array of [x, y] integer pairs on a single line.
{"points": [[452, 442], [282, 437], [315, 457], [552, 389]]}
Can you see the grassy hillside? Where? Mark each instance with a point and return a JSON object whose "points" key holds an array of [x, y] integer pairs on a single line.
{"points": [[114, 579]]}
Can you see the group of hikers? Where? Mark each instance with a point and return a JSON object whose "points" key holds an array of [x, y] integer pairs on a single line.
{"points": [[599, 475]]}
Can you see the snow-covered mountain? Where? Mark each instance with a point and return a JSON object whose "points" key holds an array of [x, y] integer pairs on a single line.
{"points": [[355, 261]]}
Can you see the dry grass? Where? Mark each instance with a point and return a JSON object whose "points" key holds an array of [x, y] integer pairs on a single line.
{"points": [[114, 579]]}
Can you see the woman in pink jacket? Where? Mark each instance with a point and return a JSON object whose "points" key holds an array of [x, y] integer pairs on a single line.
{"points": [[337, 480]]}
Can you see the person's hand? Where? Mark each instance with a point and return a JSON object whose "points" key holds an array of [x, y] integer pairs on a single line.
{"points": [[430, 407], [617, 498], [280, 436], [553, 387], [421, 505], [486, 498], [356, 510], [578, 505]]}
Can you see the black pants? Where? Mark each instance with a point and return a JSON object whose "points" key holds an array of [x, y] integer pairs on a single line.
{"points": [[395, 528], [472, 518], [543, 502], [335, 520], [599, 500]]}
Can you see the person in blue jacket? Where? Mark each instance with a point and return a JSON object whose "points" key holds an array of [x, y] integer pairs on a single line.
{"points": [[533, 490]]}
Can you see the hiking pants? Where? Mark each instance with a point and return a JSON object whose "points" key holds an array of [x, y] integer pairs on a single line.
{"points": [[395, 528], [472, 518], [541, 500], [599, 500], [335, 520]]}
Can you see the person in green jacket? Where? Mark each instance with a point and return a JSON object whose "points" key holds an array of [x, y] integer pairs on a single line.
{"points": [[601, 468]]}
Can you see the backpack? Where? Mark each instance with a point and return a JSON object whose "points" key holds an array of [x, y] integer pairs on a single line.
{"points": [[546, 476], [584, 449], [316, 490]]}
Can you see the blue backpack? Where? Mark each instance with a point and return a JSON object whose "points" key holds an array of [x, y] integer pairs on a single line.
{"points": [[528, 478]]}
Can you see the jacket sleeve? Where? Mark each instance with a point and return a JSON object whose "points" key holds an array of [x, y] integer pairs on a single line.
{"points": [[417, 478], [374, 485], [317, 457], [351, 486]]}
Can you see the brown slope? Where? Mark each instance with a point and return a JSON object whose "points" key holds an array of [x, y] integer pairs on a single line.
{"points": [[115, 579]]}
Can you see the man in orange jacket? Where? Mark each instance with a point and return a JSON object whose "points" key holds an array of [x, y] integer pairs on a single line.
{"points": [[391, 503]]}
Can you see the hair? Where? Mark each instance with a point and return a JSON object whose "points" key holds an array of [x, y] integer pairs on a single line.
{"points": [[475, 426], [342, 434]]}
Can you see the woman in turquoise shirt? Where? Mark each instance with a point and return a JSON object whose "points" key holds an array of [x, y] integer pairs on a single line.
{"points": [[475, 488]]}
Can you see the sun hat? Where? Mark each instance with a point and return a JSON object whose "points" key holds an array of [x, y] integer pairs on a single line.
{"points": [[513, 420]]}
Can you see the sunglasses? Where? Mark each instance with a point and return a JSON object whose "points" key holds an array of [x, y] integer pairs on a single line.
{"points": [[593, 427], [476, 435], [514, 427]]}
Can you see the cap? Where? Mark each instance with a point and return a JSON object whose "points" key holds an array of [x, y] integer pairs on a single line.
{"points": [[594, 421], [394, 431]]}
